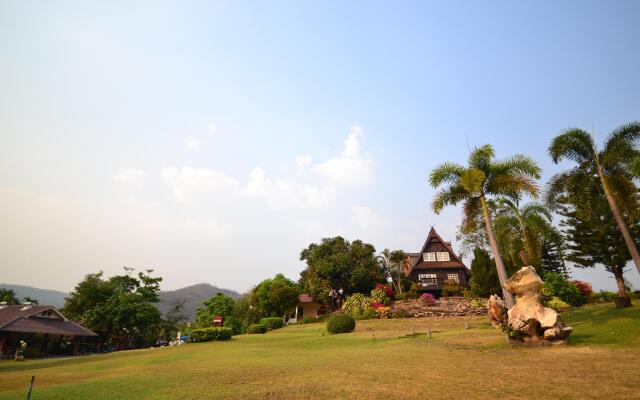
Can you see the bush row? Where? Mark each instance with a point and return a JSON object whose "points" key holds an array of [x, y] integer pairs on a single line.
{"points": [[209, 334]]}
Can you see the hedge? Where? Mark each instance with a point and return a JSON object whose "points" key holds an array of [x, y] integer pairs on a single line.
{"points": [[341, 323], [209, 334], [257, 328], [272, 323]]}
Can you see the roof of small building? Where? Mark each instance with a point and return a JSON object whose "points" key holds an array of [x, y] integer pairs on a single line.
{"points": [[30, 319], [306, 298]]}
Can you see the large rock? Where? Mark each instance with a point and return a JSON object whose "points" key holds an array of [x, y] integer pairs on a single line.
{"points": [[528, 320], [497, 311]]}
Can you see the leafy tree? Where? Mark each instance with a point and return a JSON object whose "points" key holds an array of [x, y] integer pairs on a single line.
{"points": [[31, 300], [474, 185], [244, 314], [8, 296], [275, 297], [217, 305], [612, 168], [556, 285], [484, 277], [122, 305], [593, 236], [337, 263]]}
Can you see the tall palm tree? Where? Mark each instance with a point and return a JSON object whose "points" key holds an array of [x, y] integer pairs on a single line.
{"points": [[635, 167], [611, 166], [529, 223], [391, 263], [475, 184]]}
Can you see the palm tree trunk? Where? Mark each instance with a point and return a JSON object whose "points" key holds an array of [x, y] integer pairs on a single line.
{"points": [[502, 272], [617, 215]]}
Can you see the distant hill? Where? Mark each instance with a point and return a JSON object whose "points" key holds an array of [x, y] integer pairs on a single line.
{"points": [[193, 296], [44, 296]]}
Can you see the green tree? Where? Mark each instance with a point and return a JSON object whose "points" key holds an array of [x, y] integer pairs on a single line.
{"points": [[31, 300], [524, 226], [8, 296], [473, 185], [275, 297], [121, 305], [484, 276], [635, 167], [553, 254], [337, 263], [593, 235], [611, 166], [217, 305]]}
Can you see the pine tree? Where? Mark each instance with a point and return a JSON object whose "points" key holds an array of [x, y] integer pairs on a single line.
{"points": [[484, 277], [553, 257]]}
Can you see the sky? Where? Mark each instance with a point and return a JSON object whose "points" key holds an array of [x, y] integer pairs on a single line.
{"points": [[213, 141]]}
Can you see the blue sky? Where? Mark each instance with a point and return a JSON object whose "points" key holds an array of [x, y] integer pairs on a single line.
{"points": [[214, 140]]}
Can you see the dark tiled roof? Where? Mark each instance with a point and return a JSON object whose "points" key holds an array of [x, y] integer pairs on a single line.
{"points": [[419, 263], [20, 318], [47, 326]]}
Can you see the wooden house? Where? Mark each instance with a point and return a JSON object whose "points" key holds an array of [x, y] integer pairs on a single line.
{"points": [[435, 264]]}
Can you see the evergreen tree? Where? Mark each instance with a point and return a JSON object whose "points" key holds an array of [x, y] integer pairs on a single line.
{"points": [[553, 258], [484, 276]]}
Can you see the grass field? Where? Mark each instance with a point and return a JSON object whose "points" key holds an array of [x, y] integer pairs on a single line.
{"points": [[602, 361]]}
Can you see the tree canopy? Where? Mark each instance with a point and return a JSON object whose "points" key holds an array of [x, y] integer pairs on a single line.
{"points": [[8, 296], [336, 263], [275, 297], [219, 304]]}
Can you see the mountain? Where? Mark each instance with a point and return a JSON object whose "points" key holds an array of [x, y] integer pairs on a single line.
{"points": [[44, 296], [193, 296]]}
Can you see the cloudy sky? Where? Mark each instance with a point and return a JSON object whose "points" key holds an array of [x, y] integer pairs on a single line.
{"points": [[212, 141]]}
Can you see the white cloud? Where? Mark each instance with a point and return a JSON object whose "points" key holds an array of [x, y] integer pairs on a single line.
{"points": [[351, 168], [125, 175], [214, 130], [190, 142], [188, 182], [281, 193], [303, 161]]}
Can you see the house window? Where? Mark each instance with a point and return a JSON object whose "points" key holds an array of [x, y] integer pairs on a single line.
{"points": [[453, 277], [430, 256], [428, 279], [443, 256]]}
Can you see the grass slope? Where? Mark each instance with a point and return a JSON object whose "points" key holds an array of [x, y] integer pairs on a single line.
{"points": [[302, 362]]}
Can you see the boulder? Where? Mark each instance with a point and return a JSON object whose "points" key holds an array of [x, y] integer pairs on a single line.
{"points": [[497, 311], [528, 321]]}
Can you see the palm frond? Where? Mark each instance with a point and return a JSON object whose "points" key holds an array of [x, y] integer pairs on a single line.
{"points": [[635, 167], [536, 209], [513, 186], [480, 157], [472, 209], [448, 196], [518, 164], [446, 173], [573, 144]]}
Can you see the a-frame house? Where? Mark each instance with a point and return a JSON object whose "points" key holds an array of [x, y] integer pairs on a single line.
{"points": [[435, 264]]}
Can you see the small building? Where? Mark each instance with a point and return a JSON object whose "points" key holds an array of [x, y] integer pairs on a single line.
{"points": [[45, 330], [307, 307], [435, 264]]}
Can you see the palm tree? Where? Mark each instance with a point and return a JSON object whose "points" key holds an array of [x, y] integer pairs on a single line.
{"points": [[473, 185], [8, 296], [635, 167], [392, 262], [529, 223], [611, 166]]}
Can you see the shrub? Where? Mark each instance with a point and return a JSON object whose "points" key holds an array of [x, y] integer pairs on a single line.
{"points": [[468, 294], [584, 288], [257, 328], [411, 294], [401, 314], [209, 334], [378, 295], [384, 312], [427, 299], [388, 289], [557, 304], [602, 297], [555, 285], [342, 323], [401, 296], [451, 288], [480, 303], [272, 323], [356, 305]]}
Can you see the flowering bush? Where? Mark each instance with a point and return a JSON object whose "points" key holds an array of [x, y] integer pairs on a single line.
{"points": [[356, 305], [379, 296], [388, 290], [384, 312], [584, 287], [377, 305], [427, 299]]}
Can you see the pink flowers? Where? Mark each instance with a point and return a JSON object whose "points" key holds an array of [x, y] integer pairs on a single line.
{"points": [[427, 299], [388, 290], [377, 305]]}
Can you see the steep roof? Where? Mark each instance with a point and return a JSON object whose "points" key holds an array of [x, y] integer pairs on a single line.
{"points": [[30, 319], [433, 238]]}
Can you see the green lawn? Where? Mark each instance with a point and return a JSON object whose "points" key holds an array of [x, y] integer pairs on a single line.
{"points": [[603, 360]]}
